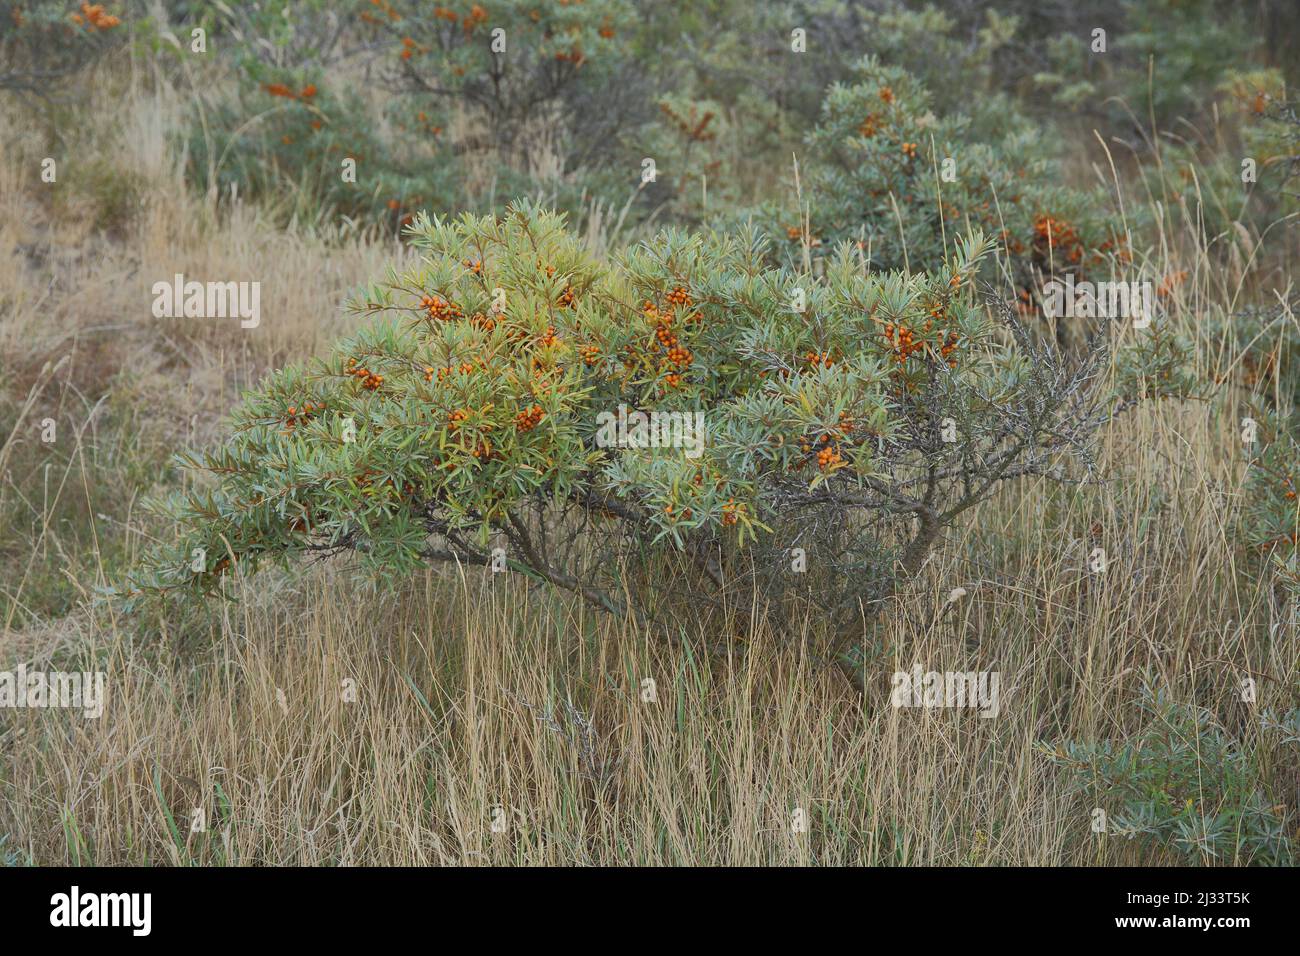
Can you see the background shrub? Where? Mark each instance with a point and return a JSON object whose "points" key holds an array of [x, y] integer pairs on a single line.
{"points": [[1182, 782]]}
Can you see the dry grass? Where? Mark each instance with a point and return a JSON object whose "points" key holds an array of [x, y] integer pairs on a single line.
{"points": [[455, 678], [473, 692]]}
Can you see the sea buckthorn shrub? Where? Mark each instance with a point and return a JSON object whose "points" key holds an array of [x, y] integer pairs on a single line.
{"points": [[446, 121], [874, 177], [1263, 344], [1231, 191], [1270, 130], [1149, 72], [284, 140], [45, 41], [476, 412], [547, 116], [1183, 782], [734, 99], [695, 165], [965, 62]]}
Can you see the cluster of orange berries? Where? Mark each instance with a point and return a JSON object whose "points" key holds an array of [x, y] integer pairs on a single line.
{"points": [[93, 15], [685, 515], [823, 359], [680, 357], [829, 458], [279, 89], [828, 454], [887, 94], [870, 126], [909, 150], [300, 415], [795, 234], [473, 265], [386, 7], [1059, 234], [428, 127], [663, 329], [568, 299], [573, 55], [549, 338], [465, 368], [1171, 282], [590, 354], [472, 19], [441, 309], [689, 126], [902, 342], [677, 355], [529, 418], [729, 513], [947, 346], [367, 378]]}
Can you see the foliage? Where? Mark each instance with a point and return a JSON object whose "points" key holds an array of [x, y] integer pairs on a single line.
{"points": [[1271, 511], [542, 84], [1180, 782], [292, 142], [44, 42], [877, 171], [522, 100], [1147, 72], [478, 411]]}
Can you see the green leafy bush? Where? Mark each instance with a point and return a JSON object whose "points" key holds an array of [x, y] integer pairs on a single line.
{"points": [[1181, 782], [1271, 509], [1148, 70], [875, 176], [289, 143], [521, 99], [481, 408], [43, 42], [544, 86]]}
